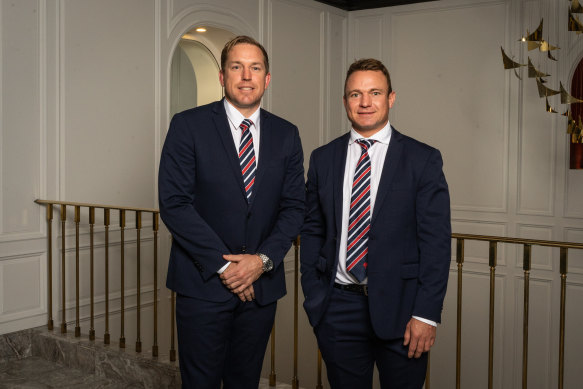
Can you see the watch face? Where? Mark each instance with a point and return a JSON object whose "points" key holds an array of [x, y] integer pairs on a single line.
{"points": [[268, 265]]}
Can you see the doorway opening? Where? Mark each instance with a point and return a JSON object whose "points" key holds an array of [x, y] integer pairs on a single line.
{"points": [[194, 75]]}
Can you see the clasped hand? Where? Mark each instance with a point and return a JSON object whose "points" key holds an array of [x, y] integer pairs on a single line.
{"points": [[241, 273]]}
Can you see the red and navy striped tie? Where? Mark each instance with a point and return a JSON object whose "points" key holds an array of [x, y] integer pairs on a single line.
{"points": [[247, 157], [359, 217]]}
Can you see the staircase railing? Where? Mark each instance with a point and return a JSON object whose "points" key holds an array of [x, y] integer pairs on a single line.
{"points": [[90, 211]]}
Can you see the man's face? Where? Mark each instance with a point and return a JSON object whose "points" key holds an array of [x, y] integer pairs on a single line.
{"points": [[244, 78], [367, 101]]}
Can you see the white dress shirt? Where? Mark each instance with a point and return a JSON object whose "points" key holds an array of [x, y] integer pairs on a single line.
{"points": [[377, 154], [235, 118]]}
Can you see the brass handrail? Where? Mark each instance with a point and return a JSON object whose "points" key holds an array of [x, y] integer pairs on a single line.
{"points": [[502, 239], [527, 250], [460, 248], [106, 223]]}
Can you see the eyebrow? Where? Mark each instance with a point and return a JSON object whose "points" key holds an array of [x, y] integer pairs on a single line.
{"points": [[241, 63], [370, 90]]}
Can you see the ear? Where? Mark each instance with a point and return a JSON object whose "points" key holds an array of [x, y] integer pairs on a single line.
{"points": [[267, 80], [392, 97], [221, 78]]}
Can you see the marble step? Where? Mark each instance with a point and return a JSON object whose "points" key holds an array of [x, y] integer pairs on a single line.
{"points": [[38, 358]]}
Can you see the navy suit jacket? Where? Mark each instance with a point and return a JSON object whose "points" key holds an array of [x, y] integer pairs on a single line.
{"points": [[409, 240], [203, 201]]}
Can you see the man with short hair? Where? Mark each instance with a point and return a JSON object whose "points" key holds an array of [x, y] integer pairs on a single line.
{"points": [[231, 189], [376, 245]]}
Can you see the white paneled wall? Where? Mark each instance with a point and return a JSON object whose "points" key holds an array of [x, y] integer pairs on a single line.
{"points": [[506, 161], [84, 109]]}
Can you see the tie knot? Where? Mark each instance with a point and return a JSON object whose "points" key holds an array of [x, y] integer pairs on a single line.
{"points": [[245, 124], [365, 143]]}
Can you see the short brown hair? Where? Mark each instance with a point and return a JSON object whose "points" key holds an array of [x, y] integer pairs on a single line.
{"points": [[368, 64], [239, 40]]}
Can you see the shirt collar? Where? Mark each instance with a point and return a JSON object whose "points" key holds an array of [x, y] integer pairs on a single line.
{"points": [[237, 117], [383, 136]]}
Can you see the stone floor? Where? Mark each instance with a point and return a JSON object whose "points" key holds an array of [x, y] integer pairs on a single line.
{"points": [[38, 358], [38, 373]]}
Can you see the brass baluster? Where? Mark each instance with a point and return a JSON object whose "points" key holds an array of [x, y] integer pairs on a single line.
{"points": [[50, 263], [63, 254], [77, 220], [319, 378], [172, 325], [295, 381], [272, 375], [106, 336], [563, 269], [459, 258], [492, 263], [122, 224], [138, 287], [92, 275], [155, 228], [526, 265]]}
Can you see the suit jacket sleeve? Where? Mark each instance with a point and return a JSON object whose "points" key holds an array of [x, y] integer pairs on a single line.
{"points": [[176, 186], [291, 206], [434, 239]]}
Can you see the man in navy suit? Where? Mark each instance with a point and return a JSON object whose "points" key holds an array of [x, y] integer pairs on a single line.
{"points": [[376, 245], [231, 189]]}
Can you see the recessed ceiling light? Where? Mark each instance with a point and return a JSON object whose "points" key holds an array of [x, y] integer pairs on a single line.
{"points": [[201, 29]]}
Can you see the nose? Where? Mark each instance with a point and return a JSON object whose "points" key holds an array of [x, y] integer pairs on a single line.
{"points": [[365, 100], [246, 73]]}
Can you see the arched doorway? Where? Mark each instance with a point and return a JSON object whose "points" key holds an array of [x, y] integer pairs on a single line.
{"points": [[194, 78]]}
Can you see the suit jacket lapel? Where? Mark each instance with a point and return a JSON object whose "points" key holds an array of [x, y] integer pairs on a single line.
{"points": [[222, 126], [339, 165], [267, 136], [389, 168]]}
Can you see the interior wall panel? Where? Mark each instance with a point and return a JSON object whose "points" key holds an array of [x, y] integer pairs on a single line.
{"points": [[440, 86], [368, 31], [540, 326], [575, 256], [573, 338], [541, 257], [295, 91], [537, 155], [23, 286], [109, 101], [21, 122], [478, 251], [476, 329], [338, 124]]}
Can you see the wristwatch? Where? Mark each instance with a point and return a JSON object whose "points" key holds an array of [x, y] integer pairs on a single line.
{"points": [[267, 263]]}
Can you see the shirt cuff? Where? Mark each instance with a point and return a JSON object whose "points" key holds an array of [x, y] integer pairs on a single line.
{"points": [[427, 321], [222, 269]]}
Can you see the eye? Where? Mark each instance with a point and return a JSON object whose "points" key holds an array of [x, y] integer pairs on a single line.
{"points": [[353, 95], [256, 68], [235, 67], [376, 93]]}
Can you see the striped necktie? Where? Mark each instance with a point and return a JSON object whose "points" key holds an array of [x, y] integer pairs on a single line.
{"points": [[359, 217], [247, 157]]}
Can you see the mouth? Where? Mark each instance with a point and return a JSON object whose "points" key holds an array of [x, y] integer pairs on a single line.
{"points": [[246, 88]]}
